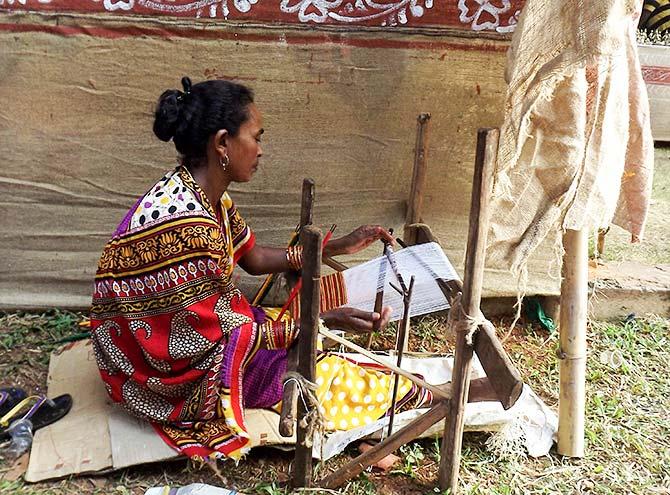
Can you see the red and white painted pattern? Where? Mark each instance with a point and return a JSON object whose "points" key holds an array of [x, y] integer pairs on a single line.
{"points": [[656, 74], [477, 15]]}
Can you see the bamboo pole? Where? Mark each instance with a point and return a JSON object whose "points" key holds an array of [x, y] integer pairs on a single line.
{"points": [[310, 239], [482, 182], [572, 353]]}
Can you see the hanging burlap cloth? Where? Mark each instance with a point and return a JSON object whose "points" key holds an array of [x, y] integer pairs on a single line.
{"points": [[575, 148]]}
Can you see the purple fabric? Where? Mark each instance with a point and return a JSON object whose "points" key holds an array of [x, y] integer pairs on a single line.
{"points": [[125, 223], [262, 380]]}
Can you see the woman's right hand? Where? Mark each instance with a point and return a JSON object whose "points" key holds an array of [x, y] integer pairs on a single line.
{"points": [[355, 320]]}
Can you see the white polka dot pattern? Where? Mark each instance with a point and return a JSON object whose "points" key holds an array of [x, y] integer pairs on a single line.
{"points": [[351, 395]]}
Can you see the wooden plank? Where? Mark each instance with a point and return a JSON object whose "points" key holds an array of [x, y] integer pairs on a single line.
{"points": [[505, 379], [418, 179], [439, 392], [310, 239], [572, 354], [381, 450], [487, 145]]}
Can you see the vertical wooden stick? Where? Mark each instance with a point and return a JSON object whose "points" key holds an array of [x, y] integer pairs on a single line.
{"points": [[307, 204], [487, 145], [310, 238], [379, 299], [572, 354], [418, 179], [401, 347], [289, 409]]}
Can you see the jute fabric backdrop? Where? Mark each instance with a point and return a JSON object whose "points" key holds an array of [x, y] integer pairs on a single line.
{"points": [[77, 146]]}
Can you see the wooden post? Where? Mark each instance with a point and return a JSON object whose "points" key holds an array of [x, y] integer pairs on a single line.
{"points": [[401, 347], [289, 403], [307, 203], [487, 145], [379, 298], [572, 354], [310, 239], [418, 179]]}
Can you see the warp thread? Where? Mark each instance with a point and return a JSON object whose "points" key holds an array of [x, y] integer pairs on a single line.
{"points": [[459, 321], [313, 421]]}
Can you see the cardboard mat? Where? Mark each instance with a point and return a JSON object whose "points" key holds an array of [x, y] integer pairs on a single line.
{"points": [[96, 436]]}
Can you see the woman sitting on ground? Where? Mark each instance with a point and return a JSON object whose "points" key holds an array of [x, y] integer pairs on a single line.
{"points": [[176, 342]]}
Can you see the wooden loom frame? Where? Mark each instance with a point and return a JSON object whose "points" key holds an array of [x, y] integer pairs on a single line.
{"points": [[502, 375]]}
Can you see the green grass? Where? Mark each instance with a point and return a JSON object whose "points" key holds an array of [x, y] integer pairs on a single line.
{"points": [[655, 247], [627, 426]]}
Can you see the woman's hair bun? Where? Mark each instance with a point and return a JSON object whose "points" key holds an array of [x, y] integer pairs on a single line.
{"points": [[166, 117], [186, 84]]}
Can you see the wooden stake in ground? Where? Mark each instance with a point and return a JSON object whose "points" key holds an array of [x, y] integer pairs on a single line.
{"points": [[487, 145], [379, 299], [290, 392], [401, 347], [418, 179], [572, 354], [310, 239]]}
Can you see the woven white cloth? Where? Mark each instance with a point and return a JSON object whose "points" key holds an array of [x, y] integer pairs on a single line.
{"points": [[575, 147]]}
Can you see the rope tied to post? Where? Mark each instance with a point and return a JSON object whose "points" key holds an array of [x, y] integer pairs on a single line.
{"points": [[461, 322], [313, 421]]}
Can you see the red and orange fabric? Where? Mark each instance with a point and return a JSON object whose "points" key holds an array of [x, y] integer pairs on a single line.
{"points": [[171, 333]]}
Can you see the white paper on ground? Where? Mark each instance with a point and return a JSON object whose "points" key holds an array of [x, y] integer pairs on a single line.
{"points": [[193, 489]]}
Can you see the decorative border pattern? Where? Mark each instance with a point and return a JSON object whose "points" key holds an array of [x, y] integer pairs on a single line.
{"points": [[477, 15], [657, 75]]}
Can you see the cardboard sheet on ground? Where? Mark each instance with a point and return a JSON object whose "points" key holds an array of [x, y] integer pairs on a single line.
{"points": [[97, 436]]}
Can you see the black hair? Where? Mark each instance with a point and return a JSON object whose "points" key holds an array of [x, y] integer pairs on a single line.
{"points": [[191, 116]]}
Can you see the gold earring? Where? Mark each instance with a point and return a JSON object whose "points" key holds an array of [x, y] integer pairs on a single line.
{"points": [[224, 162]]}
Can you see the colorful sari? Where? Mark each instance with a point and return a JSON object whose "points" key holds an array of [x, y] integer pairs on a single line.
{"points": [[179, 345]]}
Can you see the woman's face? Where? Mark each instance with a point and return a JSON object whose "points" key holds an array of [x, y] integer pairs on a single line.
{"points": [[244, 149]]}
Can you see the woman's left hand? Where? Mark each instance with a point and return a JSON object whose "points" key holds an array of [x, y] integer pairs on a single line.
{"points": [[358, 240]]}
